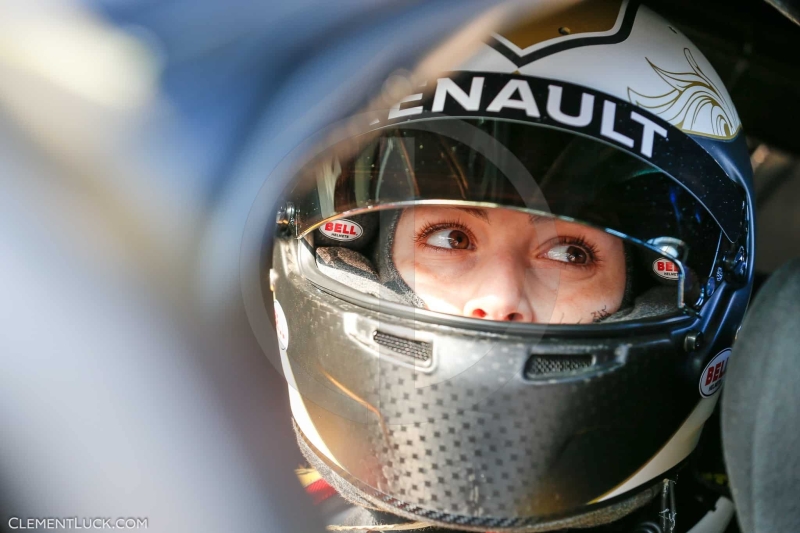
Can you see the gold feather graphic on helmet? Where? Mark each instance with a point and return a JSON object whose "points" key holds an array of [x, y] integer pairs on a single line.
{"points": [[695, 104]]}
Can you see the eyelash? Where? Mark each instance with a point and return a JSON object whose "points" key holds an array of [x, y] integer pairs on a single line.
{"points": [[582, 243], [430, 228]]}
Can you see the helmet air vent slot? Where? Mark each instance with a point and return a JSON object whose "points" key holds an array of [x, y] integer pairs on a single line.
{"points": [[421, 351], [545, 366]]}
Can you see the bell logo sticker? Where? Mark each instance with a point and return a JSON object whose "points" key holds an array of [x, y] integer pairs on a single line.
{"points": [[714, 373], [281, 326], [342, 230], [665, 268]]}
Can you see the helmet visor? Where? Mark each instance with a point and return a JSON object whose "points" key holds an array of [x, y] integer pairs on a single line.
{"points": [[508, 176]]}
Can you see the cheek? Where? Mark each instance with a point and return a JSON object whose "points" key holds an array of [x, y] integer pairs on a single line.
{"points": [[554, 296], [590, 299], [444, 284], [422, 267]]}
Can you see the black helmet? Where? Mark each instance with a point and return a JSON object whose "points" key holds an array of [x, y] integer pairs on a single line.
{"points": [[508, 303]]}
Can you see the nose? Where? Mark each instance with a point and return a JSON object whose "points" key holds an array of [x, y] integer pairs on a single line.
{"points": [[502, 297]]}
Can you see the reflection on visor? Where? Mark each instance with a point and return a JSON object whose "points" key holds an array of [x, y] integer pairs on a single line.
{"points": [[499, 163], [497, 264]]}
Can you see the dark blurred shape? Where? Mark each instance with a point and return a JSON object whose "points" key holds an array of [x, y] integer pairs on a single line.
{"points": [[761, 409], [789, 8]]}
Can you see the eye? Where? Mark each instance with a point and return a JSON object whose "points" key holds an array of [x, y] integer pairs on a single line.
{"points": [[568, 253], [453, 239]]}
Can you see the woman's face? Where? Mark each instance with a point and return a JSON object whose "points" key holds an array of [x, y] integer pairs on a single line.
{"points": [[500, 264]]}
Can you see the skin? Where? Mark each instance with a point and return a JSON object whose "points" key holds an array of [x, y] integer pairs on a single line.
{"points": [[500, 264]]}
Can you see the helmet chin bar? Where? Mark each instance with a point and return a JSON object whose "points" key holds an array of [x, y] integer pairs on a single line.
{"points": [[359, 494], [623, 500]]}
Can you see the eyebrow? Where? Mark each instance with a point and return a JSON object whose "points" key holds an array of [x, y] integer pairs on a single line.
{"points": [[480, 213], [473, 211]]}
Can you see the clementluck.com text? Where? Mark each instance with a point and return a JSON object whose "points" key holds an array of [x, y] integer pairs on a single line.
{"points": [[16, 523]]}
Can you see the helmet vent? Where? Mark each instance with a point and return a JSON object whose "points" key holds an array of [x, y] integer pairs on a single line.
{"points": [[421, 351], [545, 365]]}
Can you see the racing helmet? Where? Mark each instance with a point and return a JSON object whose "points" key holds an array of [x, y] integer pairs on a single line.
{"points": [[507, 302]]}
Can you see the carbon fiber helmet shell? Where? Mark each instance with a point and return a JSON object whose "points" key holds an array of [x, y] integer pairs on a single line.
{"points": [[447, 419]]}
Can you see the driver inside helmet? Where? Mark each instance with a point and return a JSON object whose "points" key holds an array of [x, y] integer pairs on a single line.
{"points": [[506, 265]]}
